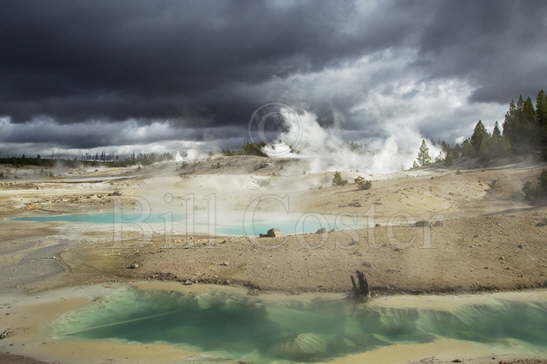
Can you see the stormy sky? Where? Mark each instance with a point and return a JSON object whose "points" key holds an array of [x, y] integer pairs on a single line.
{"points": [[166, 74]]}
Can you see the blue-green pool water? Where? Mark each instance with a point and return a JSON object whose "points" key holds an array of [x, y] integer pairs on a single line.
{"points": [[243, 328], [99, 218], [237, 224]]}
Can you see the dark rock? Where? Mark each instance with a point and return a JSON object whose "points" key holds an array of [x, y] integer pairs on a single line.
{"points": [[422, 223], [272, 233], [321, 231], [4, 334]]}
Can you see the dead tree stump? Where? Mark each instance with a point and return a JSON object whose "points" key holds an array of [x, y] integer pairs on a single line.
{"points": [[360, 287]]}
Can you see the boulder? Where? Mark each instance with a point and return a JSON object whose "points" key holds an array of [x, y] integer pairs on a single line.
{"points": [[422, 223], [321, 231], [272, 233]]}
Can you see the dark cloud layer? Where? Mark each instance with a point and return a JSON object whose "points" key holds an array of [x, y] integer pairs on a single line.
{"points": [[76, 60], [211, 63], [499, 45]]}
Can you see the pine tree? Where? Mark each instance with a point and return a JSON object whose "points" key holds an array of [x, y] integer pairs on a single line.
{"points": [[510, 121], [541, 108], [527, 129], [467, 148], [541, 115], [528, 112], [519, 118], [479, 135], [337, 179], [423, 155], [496, 133], [520, 103]]}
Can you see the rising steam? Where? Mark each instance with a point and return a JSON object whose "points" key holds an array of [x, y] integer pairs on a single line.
{"points": [[326, 150]]}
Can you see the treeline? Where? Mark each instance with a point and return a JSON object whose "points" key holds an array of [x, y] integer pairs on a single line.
{"points": [[87, 160], [524, 133], [247, 149]]}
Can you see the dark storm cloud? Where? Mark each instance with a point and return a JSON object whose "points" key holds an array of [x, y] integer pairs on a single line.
{"points": [[75, 60], [499, 45], [210, 63]]}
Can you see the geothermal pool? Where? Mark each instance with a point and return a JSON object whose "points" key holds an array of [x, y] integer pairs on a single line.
{"points": [[231, 224], [96, 218], [239, 327]]}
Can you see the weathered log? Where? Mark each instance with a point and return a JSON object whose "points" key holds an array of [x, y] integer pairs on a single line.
{"points": [[360, 288]]}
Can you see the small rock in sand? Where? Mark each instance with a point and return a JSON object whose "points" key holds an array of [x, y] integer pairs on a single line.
{"points": [[4, 334], [272, 233]]}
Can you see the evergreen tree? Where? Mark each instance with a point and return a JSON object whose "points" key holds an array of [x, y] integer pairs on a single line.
{"points": [[518, 127], [521, 122], [423, 155], [337, 179], [541, 108], [496, 133], [528, 113], [467, 148], [520, 103], [510, 122], [479, 135], [541, 116], [527, 129], [493, 147]]}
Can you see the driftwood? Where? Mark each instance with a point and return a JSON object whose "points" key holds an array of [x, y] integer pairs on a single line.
{"points": [[360, 288]]}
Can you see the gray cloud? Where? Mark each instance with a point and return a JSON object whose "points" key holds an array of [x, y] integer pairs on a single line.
{"points": [[206, 65]]}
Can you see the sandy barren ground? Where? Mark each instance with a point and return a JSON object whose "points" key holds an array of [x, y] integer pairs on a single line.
{"points": [[466, 254], [487, 236], [18, 359], [484, 360]]}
